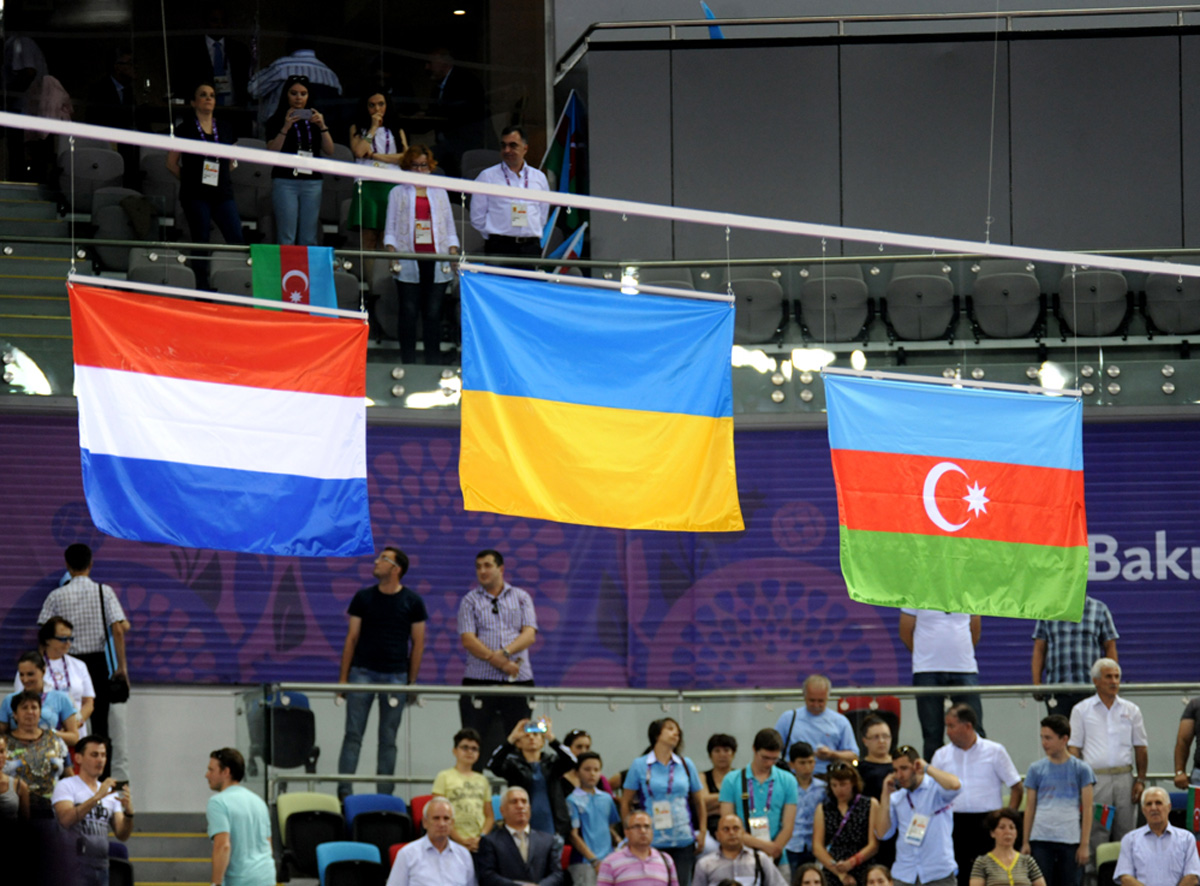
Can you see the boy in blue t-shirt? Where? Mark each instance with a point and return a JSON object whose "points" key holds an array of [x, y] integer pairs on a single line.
{"points": [[1058, 807], [810, 794], [593, 814]]}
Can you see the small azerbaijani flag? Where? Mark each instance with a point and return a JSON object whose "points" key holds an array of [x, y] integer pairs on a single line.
{"points": [[1104, 816], [212, 426], [597, 407], [302, 275], [569, 249], [959, 499], [1193, 809]]}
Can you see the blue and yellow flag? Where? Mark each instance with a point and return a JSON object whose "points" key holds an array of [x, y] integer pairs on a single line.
{"points": [[597, 407]]}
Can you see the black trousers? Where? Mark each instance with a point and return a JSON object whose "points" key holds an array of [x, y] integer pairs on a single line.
{"points": [[519, 247], [496, 716]]}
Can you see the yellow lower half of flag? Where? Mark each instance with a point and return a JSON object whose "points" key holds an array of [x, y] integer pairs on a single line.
{"points": [[598, 466]]}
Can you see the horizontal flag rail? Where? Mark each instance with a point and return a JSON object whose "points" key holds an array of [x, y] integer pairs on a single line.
{"points": [[596, 204], [470, 267], [954, 382], [667, 696], [204, 295]]}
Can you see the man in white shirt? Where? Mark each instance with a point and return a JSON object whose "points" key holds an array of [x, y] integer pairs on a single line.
{"points": [[435, 859], [1157, 854], [89, 808], [511, 226], [985, 770], [1108, 733], [943, 654]]}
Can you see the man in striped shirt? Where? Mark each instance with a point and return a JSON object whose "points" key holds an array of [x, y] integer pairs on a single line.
{"points": [[497, 625], [637, 863]]}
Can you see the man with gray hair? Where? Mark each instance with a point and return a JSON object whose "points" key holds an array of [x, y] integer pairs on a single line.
{"points": [[516, 854], [435, 859], [829, 733], [1108, 733], [1157, 854]]}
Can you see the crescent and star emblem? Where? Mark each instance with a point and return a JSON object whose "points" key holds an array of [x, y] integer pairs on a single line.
{"points": [[296, 294], [975, 498]]}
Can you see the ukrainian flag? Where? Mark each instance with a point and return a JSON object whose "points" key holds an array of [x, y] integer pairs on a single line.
{"points": [[597, 407]]}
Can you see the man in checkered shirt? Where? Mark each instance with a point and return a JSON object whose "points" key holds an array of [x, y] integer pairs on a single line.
{"points": [[1065, 651], [78, 601]]}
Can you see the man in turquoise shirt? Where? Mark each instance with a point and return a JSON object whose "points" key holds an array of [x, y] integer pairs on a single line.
{"points": [[239, 825], [768, 807]]}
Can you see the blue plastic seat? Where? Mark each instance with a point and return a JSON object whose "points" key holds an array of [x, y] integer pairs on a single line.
{"points": [[356, 803], [344, 850]]}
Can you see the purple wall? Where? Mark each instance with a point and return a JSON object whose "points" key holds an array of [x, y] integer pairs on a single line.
{"points": [[763, 607]]}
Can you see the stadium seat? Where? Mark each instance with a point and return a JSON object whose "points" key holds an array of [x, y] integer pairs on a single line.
{"points": [[1007, 301], [920, 304], [291, 726], [760, 310], [857, 708], [1106, 861], [120, 872], [417, 809], [164, 273], [336, 189], [94, 168], [477, 160], [356, 872], [307, 820], [1093, 302], [379, 819], [676, 278], [349, 294], [1170, 303], [496, 808], [233, 280], [343, 850], [834, 304], [393, 851], [158, 185]]}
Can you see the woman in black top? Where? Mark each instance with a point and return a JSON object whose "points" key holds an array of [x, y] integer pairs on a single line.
{"points": [[296, 193], [205, 187]]}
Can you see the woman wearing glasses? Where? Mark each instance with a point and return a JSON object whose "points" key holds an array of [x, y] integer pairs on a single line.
{"points": [[419, 220], [64, 672], [843, 836]]}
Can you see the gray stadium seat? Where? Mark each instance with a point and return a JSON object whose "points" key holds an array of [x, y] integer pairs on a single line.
{"points": [[676, 278], [1007, 300], [1171, 304], [349, 296], [164, 273], [834, 304], [761, 312], [920, 304], [1093, 302], [232, 279], [337, 188], [158, 185], [477, 160], [94, 168]]}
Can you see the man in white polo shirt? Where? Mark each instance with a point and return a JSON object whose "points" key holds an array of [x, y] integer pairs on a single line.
{"points": [[985, 770], [1108, 733], [943, 654]]}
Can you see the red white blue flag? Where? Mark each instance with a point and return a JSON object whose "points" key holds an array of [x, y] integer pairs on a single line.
{"points": [[218, 426]]}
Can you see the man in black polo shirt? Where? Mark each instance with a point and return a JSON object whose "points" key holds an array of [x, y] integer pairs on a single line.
{"points": [[382, 619]]}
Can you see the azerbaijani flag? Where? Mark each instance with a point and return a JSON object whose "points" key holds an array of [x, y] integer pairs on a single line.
{"points": [[1104, 815], [214, 426], [562, 158], [569, 249], [302, 275], [959, 499], [597, 407], [1193, 808]]}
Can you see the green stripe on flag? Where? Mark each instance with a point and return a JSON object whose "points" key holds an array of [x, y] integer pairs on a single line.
{"points": [[265, 264], [978, 576]]}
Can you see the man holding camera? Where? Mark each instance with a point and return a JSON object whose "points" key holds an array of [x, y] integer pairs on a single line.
{"points": [[89, 808]]}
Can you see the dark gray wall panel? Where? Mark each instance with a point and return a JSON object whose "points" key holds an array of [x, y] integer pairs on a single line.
{"points": [[755, 131], [1095, 143], [1189, 63], [917, 119], [629, 145]]}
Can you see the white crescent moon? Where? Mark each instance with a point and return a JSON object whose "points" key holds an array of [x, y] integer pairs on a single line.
{"points": [[931, 508], [303, 276]]}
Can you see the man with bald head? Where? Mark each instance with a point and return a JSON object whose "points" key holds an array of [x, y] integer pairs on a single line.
{"points": [[435, 859], [637, 863], [830, 734], [517, 855], [735, 860], [1158, 854]]}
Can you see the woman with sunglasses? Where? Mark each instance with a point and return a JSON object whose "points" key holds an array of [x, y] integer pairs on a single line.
{"points": [[64, 672], [843, 836], [297, 130]]}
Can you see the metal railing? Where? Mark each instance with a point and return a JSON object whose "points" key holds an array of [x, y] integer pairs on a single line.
{"points": [[579, 48]]}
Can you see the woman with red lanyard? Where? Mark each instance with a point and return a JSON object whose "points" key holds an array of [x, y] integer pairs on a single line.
{"points": [[843, 836], [419, 219]]}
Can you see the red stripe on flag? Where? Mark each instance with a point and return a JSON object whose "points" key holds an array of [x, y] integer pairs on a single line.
{"points": [[929, 495], [293, 274], [224, 344]]}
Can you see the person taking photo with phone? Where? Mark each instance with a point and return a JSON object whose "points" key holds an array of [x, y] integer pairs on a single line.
{"points": [[533, 759], [296, 193]]}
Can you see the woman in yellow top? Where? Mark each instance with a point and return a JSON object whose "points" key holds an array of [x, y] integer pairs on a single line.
{"points": [[1004, 865]]}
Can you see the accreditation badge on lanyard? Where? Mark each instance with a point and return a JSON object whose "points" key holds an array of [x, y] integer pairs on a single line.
{"points": [[520, 215], [664, 820], [211, 175], [424, 231], [303, 171], [759, 823]]}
